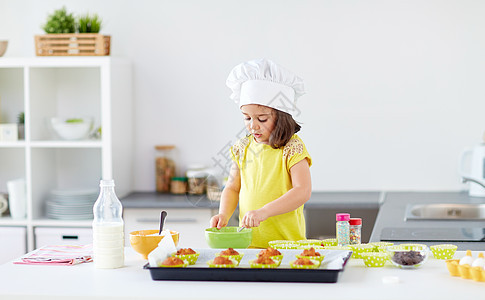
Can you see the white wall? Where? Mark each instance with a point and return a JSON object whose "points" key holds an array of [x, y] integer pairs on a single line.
{"points": [[395, 88]]}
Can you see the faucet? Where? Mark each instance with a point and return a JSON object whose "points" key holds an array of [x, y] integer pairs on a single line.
{"points": [[466, 179]]}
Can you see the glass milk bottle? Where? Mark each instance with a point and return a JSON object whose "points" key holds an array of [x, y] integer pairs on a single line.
{"points": [[108, 231]]}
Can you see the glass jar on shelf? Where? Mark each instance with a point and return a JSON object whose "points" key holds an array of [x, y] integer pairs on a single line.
{"points": [[164, 167], [196, 179]]}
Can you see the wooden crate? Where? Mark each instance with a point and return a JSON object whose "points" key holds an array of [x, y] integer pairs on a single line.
{"points": [[70, 44]]}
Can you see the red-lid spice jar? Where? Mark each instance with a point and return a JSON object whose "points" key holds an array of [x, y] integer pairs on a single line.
{"points": [[355, 230]]}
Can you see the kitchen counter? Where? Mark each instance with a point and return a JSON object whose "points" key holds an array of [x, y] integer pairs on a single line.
{"points": [[358, 200], [392, 215], [431, 281]]}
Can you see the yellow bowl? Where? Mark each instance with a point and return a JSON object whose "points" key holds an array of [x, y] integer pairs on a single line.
{"points": [[145, 241]]}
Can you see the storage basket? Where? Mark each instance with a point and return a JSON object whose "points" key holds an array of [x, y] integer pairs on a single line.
{"points": [[67, 44]]}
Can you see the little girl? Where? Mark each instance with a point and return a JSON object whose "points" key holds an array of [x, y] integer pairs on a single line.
{"points": [[270, 175]]}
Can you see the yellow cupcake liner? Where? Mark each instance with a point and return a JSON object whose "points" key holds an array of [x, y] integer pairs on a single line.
{"points": [[338, 248], [358, 249], [264, 266], [374, 259], [329, 242], [315, 265], [211, 264], [289, 245], [237, 258], [184, 265], [311, 242], [312, 246], [443, 251], [277, 242], [381, 246], [317, 258], [190, 258]]}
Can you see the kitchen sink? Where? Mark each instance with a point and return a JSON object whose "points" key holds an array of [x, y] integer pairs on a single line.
{"points": [[445, 211]]}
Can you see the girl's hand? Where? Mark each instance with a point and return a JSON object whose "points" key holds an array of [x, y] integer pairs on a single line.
{"points": [[253, 218], [218, 221]]}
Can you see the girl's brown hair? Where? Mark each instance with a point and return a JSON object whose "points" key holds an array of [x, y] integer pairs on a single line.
{"points": [[285, 128]]}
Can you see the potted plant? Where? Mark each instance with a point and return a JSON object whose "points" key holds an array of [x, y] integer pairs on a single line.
{"points": [[89, 23], [20, 123], [67, 36]]}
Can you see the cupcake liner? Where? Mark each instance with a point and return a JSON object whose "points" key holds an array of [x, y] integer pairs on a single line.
{"points": [[190, 258], [381, 246], [443, 251], [329, 242], [211, 264], [184, 265], [315, 265], [263, 266], [234, 257], [374, 259], [358, 249], [317, 258], [289, 245], [316, 247], [277, 242], [312, 242]]}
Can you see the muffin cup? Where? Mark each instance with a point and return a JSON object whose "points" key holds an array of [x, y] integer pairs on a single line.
{"points": [[329, 242], [374, 259], [237, 258], [443, 251], [211, 264], [190, 258], [358, 249], [315, 265], [381, 246], [255, 265], [317, 258], [184, 265], [311, 242]]}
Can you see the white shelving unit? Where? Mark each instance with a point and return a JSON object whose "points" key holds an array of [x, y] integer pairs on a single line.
{"points": [[43, 87]]}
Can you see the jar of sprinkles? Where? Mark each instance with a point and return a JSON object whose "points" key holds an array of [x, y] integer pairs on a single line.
{"points": [[355, 230], [343, 229]]}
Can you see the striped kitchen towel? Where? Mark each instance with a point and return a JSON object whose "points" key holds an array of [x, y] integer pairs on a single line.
{"points": [[65, 255]]}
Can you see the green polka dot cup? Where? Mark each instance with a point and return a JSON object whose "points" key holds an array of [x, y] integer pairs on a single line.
{"points": [[211, 264], [190, 258], [359, 249], [374, 259], [310, 242], [329, 242], [381, 246], [443, 251], [315, 264]]}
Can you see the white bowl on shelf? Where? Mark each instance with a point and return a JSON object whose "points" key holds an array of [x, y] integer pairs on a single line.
{"points": [[76, 128]]}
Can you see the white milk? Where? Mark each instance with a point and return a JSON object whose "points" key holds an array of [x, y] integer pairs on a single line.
{"points": [[105, 236]]}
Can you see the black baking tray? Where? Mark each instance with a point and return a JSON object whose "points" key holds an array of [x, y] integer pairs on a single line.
{"points": [[328, 272]]}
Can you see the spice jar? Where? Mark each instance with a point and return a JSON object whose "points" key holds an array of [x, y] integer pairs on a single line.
{"points": [[343, 229], [178, 185], [355, 230], [196, 179], [164, 167]]}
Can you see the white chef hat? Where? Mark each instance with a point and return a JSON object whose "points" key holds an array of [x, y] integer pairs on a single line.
{"points": [[261, 81]]}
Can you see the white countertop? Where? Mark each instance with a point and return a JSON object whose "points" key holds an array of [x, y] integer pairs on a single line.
{"points": [[431, 281]]}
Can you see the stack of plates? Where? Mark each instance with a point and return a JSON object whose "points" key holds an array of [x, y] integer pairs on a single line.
{"points": [[71, 204]]}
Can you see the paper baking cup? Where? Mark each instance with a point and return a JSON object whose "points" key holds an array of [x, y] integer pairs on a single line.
{"points": [[374, 259], [185, 264], [317, 258], [190, 258], [212, 265], [359, 249], [263, 266], [329, 242], [315, 265], [311, 242], [444, 251], [234, 257]]}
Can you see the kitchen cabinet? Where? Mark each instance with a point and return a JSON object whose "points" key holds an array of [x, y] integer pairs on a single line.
{"points": [[13, 241], [45, 87], [57, 236], [190, 223]]}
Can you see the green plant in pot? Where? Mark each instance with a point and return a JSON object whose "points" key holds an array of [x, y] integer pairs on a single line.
{"points": [[89, 23], [20, 123], [60, 21]]}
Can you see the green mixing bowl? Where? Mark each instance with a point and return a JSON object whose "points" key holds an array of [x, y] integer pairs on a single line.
{"points": [[228, 237]]}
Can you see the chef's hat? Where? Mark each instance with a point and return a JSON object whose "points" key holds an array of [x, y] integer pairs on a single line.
{"points": [[263, 82]]}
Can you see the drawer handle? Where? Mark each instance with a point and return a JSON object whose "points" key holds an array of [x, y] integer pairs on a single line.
{"points": [[70, 237], [178, 220]]}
